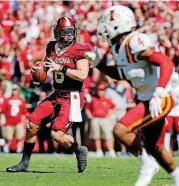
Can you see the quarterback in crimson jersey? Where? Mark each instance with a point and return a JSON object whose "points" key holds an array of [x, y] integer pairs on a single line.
{"points": [[148, 72], [65, 59]]}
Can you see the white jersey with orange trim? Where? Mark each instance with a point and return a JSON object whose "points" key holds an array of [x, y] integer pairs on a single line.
{"points": [[174, 84], [142, 74]]}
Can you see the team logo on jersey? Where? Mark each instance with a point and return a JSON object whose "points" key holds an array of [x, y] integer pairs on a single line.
{"points": [[75, 97]]}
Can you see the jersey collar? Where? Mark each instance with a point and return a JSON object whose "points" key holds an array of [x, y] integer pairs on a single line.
{"points": [[59, 50]]}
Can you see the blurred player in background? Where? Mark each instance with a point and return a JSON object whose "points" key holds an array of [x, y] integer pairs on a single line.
{"points": [[65, 58], [172, 119], [14, 110], [100, 110], [136, 62], [2, 119]]}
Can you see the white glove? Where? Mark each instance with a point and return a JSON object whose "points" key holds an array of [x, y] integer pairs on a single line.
{"points": [[36, 66], [156, 101], [93, 57], [52, 65]]}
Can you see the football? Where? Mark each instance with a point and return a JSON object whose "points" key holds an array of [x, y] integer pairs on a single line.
{"points": [[39, 75]]}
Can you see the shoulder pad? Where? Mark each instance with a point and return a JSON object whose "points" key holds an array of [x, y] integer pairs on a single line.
{"points": [[140, 42], [81, 49], [83, 46]]}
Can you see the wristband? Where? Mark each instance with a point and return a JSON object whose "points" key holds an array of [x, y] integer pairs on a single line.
{"points": [[64, 69]]}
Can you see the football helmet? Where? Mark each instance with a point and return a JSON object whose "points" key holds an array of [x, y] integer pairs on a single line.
{"points": [[115, 20], [65, 31]]}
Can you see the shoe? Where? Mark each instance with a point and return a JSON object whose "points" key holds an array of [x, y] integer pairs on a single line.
{"points": [[176, 182], [175, 176], [124, 154], [111, 154], [81, 156], [99, 154], [19, 151], [148, 170], [20, 167], [6, 148]]}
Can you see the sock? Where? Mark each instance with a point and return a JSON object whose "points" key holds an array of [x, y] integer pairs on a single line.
{"points": [[136, 147], [28, 148], [74, 147], [175, 175], [167, 141], [144, 156], [178, 139]]}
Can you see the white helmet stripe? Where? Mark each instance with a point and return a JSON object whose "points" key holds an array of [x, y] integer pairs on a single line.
{"points": [[68, 23]]}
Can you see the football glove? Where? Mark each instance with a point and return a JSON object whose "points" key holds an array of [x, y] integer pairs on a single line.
{"points": [[156, 101], [52, 65], [35, 67], [93, 57]]}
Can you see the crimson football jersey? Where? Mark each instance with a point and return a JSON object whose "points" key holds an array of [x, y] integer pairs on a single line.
{"points": [[66, 57], [13, 109]]}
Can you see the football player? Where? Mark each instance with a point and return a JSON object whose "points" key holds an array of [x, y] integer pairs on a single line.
{"points": [[65, 58], [137, 62]]}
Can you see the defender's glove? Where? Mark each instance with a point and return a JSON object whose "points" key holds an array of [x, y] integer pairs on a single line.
{"points": [[93, 57], [156, 101]]}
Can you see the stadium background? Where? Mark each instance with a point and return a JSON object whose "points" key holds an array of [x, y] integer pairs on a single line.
{"points": [[26, 28]]}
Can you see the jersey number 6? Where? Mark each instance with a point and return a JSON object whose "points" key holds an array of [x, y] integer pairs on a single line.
{"points": [[59, 77]]}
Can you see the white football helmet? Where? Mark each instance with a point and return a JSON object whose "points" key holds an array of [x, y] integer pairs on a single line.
{"points": [[114, 21]]}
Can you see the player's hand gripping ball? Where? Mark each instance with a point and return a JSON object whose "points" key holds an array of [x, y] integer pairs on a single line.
{"points": [[39, 75], [52, 65]]}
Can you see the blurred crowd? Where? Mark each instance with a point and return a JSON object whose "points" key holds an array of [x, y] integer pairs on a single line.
{"points": [[25, 30]]}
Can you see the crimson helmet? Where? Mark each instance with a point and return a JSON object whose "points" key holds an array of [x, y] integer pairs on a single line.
{"points": [[65, 31]]}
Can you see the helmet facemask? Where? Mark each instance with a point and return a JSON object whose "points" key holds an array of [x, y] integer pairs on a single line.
{"points": [[66, 35]]}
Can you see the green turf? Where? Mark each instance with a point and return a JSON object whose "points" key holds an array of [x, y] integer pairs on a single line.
{"points": [[54, 170]]}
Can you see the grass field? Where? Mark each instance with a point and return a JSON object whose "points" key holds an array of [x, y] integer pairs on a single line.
{"points": [[55, 170]]}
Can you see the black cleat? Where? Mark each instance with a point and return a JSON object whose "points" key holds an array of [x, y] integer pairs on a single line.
{"points": [[20, 167], [81, 158]]}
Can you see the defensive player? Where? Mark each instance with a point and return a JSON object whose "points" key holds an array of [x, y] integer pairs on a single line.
{"points": [[136, 62], [172, 119], [65, 58]]}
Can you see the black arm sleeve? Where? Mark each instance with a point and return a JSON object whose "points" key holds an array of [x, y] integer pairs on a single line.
{"points": [[110, 71]]}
